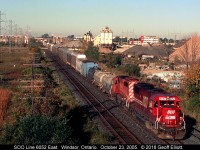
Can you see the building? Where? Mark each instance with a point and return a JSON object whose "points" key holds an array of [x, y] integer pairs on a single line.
{"points": [[106, 37], [97, 40], [88, 37], [149, 40]]}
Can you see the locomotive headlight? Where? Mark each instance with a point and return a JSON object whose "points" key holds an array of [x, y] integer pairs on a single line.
{"points": [[164, 123]]}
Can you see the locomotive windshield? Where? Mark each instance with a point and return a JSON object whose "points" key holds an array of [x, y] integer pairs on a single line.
{"points": [[162, 103], [171, 102]]}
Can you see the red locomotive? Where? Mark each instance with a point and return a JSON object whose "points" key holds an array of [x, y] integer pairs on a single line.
{"points": [[160, 110]]}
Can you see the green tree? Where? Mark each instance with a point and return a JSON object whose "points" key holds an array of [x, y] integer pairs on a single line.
{"points": [[132, 70], [38, 130], [45, 36], [118, 60], [92, 52]]}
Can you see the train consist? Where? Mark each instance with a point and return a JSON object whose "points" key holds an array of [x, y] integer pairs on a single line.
{"points": [[160, 110]]}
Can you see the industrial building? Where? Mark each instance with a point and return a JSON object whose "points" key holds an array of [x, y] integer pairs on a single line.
{"points": [[88, 37], [149, 40], [106, 37]]}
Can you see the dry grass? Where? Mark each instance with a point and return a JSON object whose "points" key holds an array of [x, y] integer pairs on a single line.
{"points": [[4, 99]]}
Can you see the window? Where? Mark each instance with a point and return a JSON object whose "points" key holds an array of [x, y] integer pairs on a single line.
{"points": [[155, 103], [171, 102], [162, 103], [126, 84], [178, 104]]}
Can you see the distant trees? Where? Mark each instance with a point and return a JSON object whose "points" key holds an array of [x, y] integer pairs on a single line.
{"points": [[70, 37], [45, 36]]}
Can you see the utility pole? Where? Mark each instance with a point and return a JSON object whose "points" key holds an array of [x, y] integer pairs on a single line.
{"points": [[10, 36], [0, 33], [127, 33], [1, 21], [33, 81], [175, 34]]}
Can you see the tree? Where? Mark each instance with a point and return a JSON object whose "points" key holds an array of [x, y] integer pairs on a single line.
{"points": [[189, 52], [118, 60], [92, 52], [117, 39], [132, 70], [192, 80], [71, 37], [38, 130], [45, 36]]}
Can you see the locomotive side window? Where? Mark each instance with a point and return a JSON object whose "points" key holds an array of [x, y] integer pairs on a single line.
{"points": [[126, 84], [155, 103], [178, 104], [136, 89]]}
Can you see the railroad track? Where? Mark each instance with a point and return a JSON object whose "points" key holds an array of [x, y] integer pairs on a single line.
{"points": [[118, 130]]}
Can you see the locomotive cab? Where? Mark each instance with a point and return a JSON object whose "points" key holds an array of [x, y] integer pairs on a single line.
{"points": [[169, 117]]}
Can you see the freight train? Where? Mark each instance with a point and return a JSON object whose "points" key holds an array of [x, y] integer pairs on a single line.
{"points": [[160, 110]]}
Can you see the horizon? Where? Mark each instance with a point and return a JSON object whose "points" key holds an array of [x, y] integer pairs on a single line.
{"points": [[129, 18]]}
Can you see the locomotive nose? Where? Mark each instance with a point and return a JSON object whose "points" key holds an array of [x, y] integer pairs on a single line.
{"points": [[170, 116]]}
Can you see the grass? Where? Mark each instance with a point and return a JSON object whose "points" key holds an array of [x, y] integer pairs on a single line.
{"points": [[60, 99]]}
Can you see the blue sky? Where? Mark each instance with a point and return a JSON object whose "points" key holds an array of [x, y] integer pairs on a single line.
{"points": [[141, 17]]}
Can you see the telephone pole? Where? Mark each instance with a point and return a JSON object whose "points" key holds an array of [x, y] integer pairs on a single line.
{"points": [[33, 81], [175, 34], [127, 34], [1, 14], [10, 36]]}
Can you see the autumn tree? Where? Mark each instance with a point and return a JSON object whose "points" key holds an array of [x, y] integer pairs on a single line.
{"points": [[189, 52], [192, 80], [192, 95]]}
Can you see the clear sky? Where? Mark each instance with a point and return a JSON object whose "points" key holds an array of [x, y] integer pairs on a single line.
{"points": [[141, 17]]}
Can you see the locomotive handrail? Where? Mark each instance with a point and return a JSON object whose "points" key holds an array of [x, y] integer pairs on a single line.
{"points": [[184, 121]]}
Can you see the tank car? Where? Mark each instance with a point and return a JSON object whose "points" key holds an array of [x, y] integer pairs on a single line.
{"points": [[98, 76], [107, 82]]}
